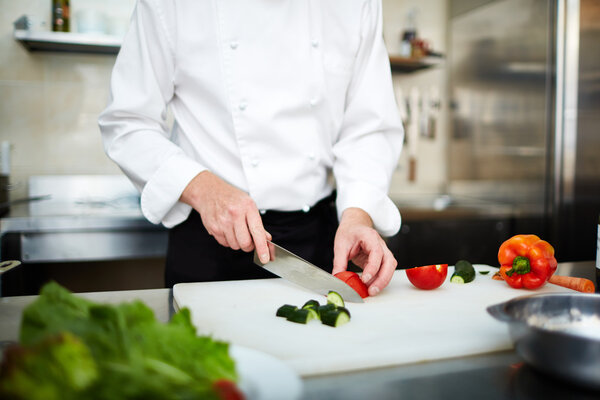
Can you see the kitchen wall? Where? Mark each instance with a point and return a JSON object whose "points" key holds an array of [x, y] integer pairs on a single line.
{"points": [[431, 24], [51, 101]]}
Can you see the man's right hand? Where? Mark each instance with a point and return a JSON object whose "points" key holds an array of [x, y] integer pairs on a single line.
{"points": [[228, 214]]}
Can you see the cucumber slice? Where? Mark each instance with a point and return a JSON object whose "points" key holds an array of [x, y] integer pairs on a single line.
{"points": [[465, 270], [302, 316], [344, 309], [484, 272], [335, 299], [335, 318], [286, 310], [313, 314], [311, 304], [324, 308]]}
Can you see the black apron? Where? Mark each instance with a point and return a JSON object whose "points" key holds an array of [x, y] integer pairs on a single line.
{"points": [[195, 256]]}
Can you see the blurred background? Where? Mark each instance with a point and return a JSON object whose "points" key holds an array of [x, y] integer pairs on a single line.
{"points": [[499, 99]]}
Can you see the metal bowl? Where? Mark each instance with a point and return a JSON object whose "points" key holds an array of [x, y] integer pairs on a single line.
{"points": [[558, 334]]}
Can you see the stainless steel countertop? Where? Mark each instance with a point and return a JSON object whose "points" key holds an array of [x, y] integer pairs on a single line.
{"points": [[491, 376], [70, 212], [427, 206]]}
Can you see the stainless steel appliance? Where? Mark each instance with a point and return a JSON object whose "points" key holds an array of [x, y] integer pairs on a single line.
{"points": [[4, 204], [525, 92]]}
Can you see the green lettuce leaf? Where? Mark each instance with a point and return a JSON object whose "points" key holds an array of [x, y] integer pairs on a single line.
{"points": [[133, 354]]}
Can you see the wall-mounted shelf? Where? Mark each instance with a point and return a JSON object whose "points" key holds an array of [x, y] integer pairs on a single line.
{"points": [[68, 42], [406, 65], [64, 41]]}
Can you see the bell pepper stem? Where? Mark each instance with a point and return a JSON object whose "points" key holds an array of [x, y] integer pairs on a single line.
{"points": [[520, 266]]}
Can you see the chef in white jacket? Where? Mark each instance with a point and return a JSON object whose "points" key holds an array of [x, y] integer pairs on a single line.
{"points": [[285, 129]]}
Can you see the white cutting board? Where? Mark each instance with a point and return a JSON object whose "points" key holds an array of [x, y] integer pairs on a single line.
{"points": [[401, 325]]}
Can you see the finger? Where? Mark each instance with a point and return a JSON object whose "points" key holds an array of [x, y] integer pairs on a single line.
{"points": [[385, 275], [231, 239], [242, 235], [259, 235], [220, 238], [374, 260], [341, 255]]}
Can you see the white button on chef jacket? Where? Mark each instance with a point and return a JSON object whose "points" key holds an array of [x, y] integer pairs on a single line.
{"points": [[237, 75]]}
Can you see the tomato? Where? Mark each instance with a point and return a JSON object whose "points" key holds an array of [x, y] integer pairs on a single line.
{"points": [[428, 277], [353, 280], [227, 390]]}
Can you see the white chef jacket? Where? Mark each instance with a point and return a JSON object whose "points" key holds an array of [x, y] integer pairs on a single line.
{"points": [[271, 96]]}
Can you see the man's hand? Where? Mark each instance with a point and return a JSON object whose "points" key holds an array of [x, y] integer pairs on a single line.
{"points": [[356, 240], [228, 214]]}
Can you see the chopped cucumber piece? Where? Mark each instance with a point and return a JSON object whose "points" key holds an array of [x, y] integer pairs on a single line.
{"points": [[344, 309], [313, 314], [286, 310], [335, 318], [335, 299], [324, 308], [311, 304], [465, 270], [302, 316], [457, 279], [484, 272]]}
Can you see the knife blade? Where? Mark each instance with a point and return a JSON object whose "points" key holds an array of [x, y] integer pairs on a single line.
{"points": [[293, 268]]}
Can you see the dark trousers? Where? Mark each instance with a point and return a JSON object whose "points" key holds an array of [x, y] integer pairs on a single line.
{"points": [[195, 256]]}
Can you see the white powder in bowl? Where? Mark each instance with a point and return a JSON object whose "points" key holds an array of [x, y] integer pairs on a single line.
{"points": [[574, 323]]}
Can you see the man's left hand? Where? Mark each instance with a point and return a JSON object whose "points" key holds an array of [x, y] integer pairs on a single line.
{"points": [[356, 240]]}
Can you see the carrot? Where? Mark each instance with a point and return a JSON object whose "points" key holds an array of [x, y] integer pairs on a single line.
{"points": [[579, 284]]}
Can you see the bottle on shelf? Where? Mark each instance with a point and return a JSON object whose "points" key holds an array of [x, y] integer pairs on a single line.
{"points": [[61, 18]]}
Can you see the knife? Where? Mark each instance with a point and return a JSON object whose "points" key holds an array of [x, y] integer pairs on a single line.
{"points": [[293, 268]]}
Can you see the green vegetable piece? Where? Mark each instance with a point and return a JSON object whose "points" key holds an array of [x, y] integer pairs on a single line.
{"points": [[335, 299], [314, 304], [326, 307], [465, 270], [344, 309], [286, 310], [484, 272], [302, 316], [335, 318], [457, 279]]}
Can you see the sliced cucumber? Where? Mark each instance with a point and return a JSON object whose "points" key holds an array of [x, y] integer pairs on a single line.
{"points": [[344, 309], [324, 308], [484, 272], [302, 316], [335, 299], [335, 318], [286, 310], [463, 270], [314, 304]]}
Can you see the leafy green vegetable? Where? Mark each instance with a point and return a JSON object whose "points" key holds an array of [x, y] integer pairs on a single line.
{"points": [[56, 368], [121, 351]]}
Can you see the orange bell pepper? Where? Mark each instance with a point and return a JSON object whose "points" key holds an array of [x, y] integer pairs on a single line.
{"points": [[526, 261]]}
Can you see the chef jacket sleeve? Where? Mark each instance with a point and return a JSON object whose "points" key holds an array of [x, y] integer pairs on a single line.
{"points": [[370, 139], [134, 127]]}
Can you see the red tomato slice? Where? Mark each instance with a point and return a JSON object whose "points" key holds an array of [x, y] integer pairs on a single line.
{"points": [[428, 277], [353, 280]]}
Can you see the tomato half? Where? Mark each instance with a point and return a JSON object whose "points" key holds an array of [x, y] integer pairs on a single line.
{"points": [[428, 277], [353, 280]]}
